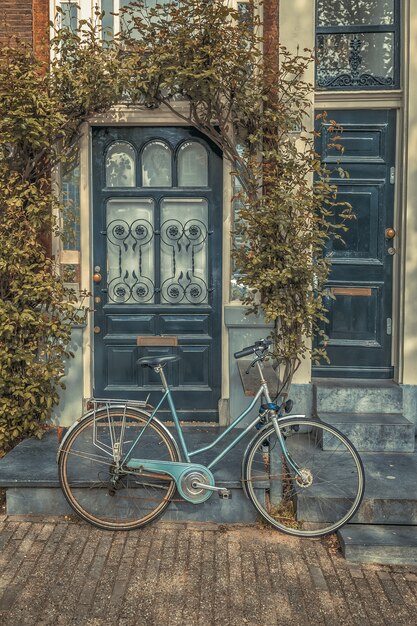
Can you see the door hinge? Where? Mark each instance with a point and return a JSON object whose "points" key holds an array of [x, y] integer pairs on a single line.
{"points": [[392, 176], [389, 326]]}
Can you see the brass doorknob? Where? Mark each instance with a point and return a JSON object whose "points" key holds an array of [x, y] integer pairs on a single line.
{"points": [[390, 233], [97, 278]]}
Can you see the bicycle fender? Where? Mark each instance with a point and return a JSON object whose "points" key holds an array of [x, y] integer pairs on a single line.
{"points": [[121, 407]]}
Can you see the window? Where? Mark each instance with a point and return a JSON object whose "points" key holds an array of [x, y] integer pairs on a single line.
{"points": [[357, 44], [69, 15], [130, 250], [71, 246], [120, 165], [107, 7], [192, 165], [156, 165], [128, 9]]}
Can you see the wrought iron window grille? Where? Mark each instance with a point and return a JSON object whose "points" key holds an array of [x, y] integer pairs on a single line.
{"points": [[355, 71]]}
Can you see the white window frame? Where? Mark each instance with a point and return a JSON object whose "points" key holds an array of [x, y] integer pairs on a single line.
{"points": [[86, 9]]}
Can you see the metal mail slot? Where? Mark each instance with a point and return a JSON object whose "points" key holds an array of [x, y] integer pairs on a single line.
{"points": [[352, 291], [157, 340]]}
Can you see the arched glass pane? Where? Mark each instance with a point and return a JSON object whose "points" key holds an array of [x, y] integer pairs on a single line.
{"points": [[192, 165], [156, 165], [120, 165]]}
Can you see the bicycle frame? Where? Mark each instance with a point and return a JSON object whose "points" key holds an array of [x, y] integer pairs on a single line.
{"points": [[187, 454]]}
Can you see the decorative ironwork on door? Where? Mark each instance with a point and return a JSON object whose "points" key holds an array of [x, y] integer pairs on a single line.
{"points": [[147, 264], [133, 244], [130, 251], [184, 251]]}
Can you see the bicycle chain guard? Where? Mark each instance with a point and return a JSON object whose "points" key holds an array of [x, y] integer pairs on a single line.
{"points": [[184, 474]]}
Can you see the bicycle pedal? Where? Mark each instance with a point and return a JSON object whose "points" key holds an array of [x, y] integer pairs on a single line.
{"points": [[225, 494]]}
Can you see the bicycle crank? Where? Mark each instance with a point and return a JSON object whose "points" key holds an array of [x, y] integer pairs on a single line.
{"points": [[195, 485]]}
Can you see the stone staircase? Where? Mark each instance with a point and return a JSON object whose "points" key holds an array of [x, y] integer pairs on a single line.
{"points": [[370, 414], [29, 474]]}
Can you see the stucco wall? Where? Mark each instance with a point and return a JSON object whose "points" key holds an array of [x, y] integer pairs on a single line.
{"points": [[410, 208]]}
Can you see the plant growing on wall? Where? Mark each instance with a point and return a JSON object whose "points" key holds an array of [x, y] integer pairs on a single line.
{"points": [[205, 57], [259, 113], [41, 111]]}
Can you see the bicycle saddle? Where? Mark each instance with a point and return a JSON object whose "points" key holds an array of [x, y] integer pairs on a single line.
{"points": [[156, 361]]}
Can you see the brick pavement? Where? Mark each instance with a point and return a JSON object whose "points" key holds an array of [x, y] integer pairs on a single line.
{"points": [[171, 574]]}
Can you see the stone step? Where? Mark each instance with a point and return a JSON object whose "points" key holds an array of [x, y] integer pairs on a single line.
{"points": [[390, 494], [50, 501], [364, 396], [374, 432], [29, 473], [392, 545], [390, 489]]}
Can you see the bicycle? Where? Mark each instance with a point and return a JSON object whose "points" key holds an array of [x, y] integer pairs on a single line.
{"points": [[119, 465]]}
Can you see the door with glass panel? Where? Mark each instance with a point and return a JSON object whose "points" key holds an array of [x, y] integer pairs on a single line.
{"points": [[157, 222]]}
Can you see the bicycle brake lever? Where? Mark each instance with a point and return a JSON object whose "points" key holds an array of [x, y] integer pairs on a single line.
{"points": [[258, 358]]}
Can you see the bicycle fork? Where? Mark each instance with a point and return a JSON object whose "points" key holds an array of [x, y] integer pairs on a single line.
{"points": [[275, 423]]}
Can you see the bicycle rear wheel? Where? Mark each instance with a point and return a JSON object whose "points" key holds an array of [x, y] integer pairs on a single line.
{"points": [[107, 496], [333, 478]]}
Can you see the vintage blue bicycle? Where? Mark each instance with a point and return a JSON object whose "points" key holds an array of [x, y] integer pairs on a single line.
{"points": [[119, 466]]}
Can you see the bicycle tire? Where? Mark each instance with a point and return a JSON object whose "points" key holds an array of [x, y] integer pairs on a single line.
{"points": [[87, 471], [330, 464]]}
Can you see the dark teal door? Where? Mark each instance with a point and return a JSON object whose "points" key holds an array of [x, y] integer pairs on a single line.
{"points": [[360, 312], [157, 246]]}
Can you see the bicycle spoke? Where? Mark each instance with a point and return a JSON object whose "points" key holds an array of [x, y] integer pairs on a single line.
{"points": [[323, 497], [100, 489]]}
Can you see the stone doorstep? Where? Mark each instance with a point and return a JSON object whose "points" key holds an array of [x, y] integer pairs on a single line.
{"points": [[361, 396], [33, 462], [390, 496], [392, 545], [50, 501], [374, 432], [37, 492]]}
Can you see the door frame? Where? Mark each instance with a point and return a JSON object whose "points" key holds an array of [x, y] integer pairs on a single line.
{"points": [[348, 271], [196, 396], [392, 100], [124, 116]]}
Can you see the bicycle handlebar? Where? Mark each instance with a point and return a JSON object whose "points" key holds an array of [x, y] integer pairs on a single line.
{"points": [[263, 345]]}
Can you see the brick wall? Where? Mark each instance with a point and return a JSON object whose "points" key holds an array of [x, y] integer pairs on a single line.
{"points": [[27, 20], [41, 28], [16, 19], [271, 31]]}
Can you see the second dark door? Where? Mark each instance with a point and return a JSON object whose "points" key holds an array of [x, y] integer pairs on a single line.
{"points": [[360, 311]]}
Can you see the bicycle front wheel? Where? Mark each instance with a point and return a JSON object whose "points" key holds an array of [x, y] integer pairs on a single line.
{"points": [[108, 494], [328, 493]]}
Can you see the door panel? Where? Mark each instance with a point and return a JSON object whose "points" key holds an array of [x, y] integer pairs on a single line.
{"points": [[360, 285], [157, 246]]}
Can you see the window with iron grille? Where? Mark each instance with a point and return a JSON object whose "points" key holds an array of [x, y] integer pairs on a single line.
{"points": [[357, 44]]}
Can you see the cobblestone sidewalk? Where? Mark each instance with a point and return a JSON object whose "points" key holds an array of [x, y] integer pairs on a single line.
{"points": [[65, 572]]}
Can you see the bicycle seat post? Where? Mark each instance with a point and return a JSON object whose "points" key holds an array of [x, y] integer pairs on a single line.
{"points": [[160, 371]]}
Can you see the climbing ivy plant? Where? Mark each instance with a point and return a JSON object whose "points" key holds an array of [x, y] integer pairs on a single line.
{"points": [[203, 61], [42, 108], [208, 56]]}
